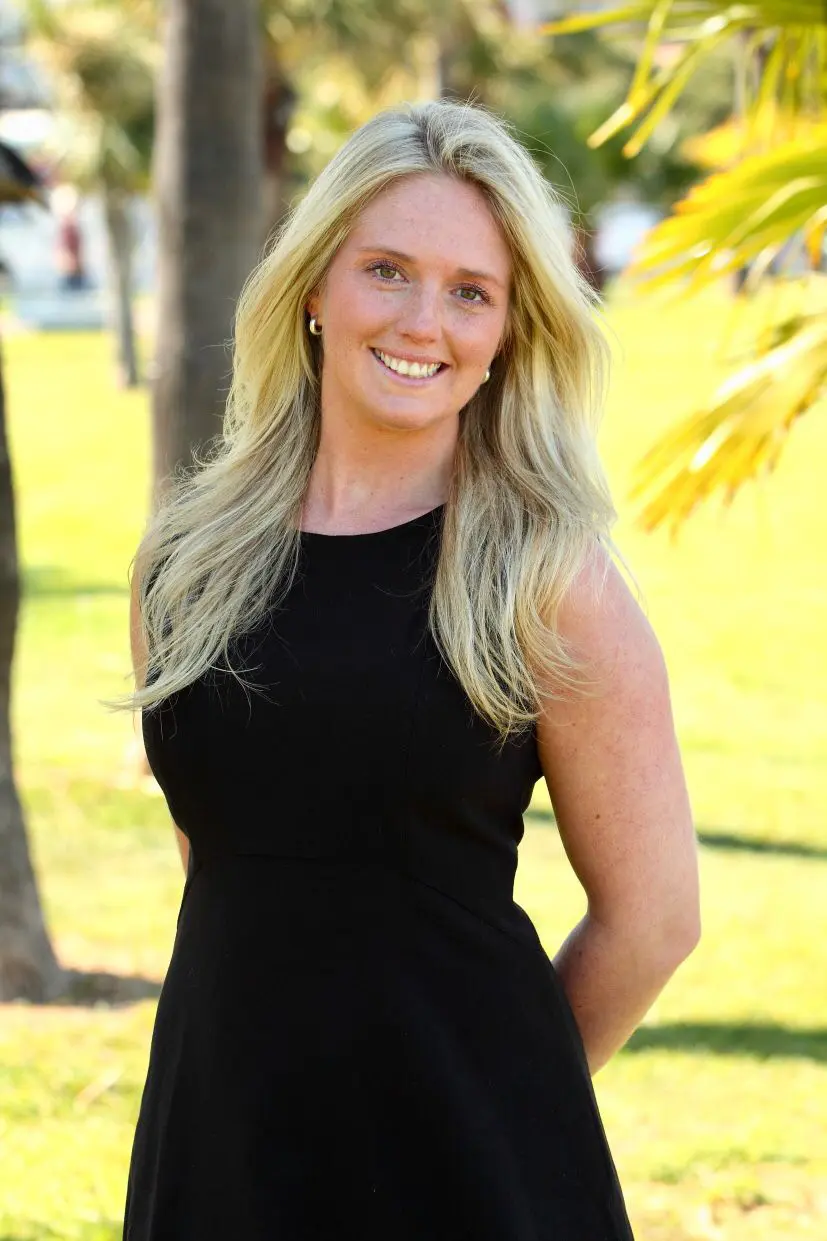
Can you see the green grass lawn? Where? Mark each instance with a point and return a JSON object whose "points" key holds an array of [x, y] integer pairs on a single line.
{"points": [[716, 1109]]}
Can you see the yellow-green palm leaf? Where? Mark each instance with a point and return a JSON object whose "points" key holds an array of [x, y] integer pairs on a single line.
{"points": [[739, 215], [741, 432], [796, 64], [746, 214]]}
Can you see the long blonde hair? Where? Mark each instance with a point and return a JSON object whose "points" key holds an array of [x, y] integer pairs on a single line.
{"points": [[528, 503]]}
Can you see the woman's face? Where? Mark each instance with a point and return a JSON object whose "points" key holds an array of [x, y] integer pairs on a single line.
{"points": [[422, 281]]}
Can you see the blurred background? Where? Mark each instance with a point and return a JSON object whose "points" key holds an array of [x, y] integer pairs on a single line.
{"points": [[140, 141]]}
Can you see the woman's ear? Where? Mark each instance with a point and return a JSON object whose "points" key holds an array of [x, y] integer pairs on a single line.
{"points": [[312, 305]]}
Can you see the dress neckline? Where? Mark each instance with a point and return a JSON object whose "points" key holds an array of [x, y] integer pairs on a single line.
{"points": [[375, 534]]}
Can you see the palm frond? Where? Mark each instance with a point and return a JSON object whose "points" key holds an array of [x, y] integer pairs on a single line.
{"points": [[790, 34], [18, 182], [741, 433], [687, 16], [735, 216], [770, 186]]}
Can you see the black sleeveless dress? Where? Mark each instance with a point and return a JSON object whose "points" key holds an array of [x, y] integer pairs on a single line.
{"points": [[360, 1036]]}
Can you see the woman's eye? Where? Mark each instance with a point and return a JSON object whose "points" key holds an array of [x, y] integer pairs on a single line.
{"points": [[385, 271], [476, 295], [468, 293]]}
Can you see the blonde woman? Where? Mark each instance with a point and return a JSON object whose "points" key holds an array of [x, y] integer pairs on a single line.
{"points": [[402, 538]]}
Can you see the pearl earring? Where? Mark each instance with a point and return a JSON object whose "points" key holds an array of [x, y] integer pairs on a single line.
{"points": [[487, 375]]}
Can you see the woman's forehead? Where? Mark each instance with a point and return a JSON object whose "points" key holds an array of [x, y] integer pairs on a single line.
{"points": [[434, 214]]}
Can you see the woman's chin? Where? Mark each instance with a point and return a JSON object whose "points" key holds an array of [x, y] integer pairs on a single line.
{"points": [[404, 414]]}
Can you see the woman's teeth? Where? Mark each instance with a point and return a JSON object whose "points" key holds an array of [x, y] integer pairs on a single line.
{"points": [[417, 370]]}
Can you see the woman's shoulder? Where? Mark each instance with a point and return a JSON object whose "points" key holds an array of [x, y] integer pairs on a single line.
{"points": [[602, 622]]}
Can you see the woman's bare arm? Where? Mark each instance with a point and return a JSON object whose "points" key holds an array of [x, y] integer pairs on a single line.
{"points": [[616, 782], [139, 666]]}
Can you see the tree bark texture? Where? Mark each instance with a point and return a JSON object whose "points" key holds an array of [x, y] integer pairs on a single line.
{"points": [[208, 188], [28, 966], [116, 206], [279, 105]]}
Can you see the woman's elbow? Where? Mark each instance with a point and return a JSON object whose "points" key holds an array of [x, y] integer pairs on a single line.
{"points": [[675, 935]]}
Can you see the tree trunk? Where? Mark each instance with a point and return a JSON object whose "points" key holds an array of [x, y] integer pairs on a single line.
{"points": [[279, 105], [208, 186], [28, 966], [116, 203]]}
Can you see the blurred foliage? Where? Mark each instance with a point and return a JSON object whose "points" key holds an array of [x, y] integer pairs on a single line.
{"points": [[762, 214], [570, 91], [349, 57], [333, 63], [100, 61]]}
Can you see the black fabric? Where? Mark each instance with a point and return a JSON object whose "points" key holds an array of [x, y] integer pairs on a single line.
{"points": [[360, 1036]]}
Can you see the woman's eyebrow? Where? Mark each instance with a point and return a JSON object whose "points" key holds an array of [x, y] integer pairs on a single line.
{"points": [[465, 272]]}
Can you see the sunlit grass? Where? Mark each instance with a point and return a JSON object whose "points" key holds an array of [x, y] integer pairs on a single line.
{"points": [[716, 1109]]}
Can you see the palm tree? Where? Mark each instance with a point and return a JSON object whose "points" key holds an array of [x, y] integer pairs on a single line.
{"points": [[28, 966], [768, 189], [208, 193]]}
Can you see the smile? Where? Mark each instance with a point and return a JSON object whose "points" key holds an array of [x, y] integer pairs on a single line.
{"points": [[408, 370]]}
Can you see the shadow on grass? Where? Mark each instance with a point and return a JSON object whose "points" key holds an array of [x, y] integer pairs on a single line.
{"points": [[762, 1041], [733, 841], [754, 844], [86, 988], [542, 814]]}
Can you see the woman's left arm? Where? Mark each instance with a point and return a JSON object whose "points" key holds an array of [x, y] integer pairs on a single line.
{"points": [[614, 774]]}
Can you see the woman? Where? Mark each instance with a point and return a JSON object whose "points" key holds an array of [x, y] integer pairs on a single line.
{"points": [[405, 529]]}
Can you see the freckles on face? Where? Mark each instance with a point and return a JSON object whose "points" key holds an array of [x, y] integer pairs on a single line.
{"points": [[415, 302]]}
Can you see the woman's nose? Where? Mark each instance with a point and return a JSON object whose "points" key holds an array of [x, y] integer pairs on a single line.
{"points": [[422, 314]]}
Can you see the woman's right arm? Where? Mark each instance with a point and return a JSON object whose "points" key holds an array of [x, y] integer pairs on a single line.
{"points": [[139, 663]]}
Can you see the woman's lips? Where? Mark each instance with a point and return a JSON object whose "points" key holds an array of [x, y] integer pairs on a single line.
{"points": [[409, 379]]}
